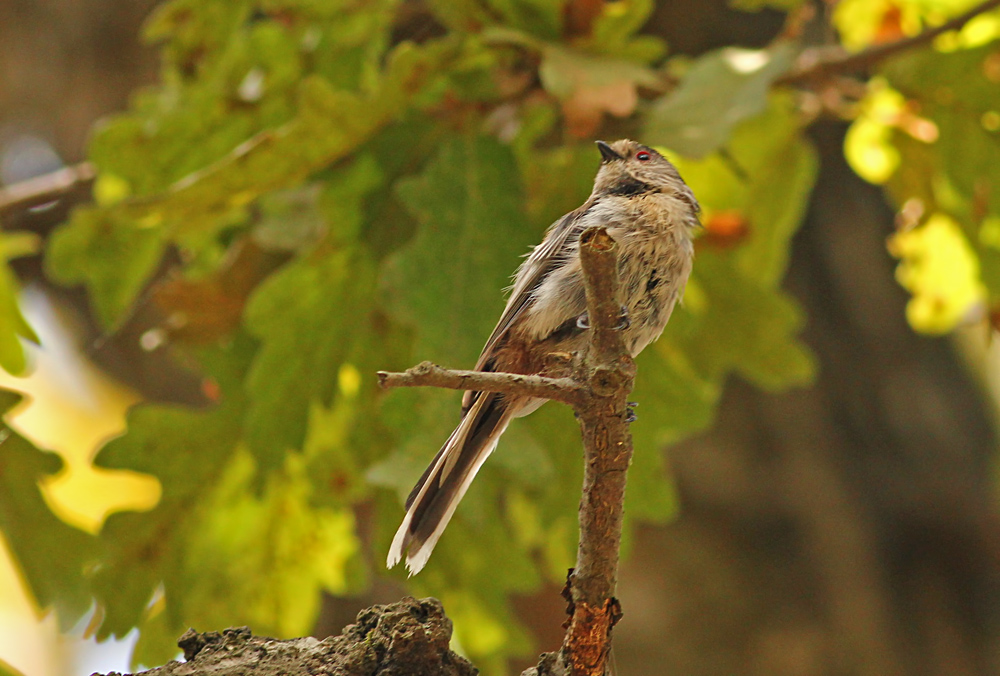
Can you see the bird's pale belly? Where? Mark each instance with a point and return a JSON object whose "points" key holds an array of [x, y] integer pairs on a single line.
{"points": [[653, 276]]}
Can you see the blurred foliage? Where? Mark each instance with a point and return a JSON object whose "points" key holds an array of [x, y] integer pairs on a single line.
{"points": [[51, 554], [7, 670], [347, 186], [15, 328], [929, 130]]}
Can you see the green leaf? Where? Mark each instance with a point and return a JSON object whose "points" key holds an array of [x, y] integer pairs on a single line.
{"points": [[719, 90], [7, 670], [51, 555], [957, 91], [447, 281], [543, 18], [674, 401], [222, 546], [310, 317], [945, 138], [557, 180], [744, 325], [210, 164], [111, 256], [565, 71], [188, 451], [757, 5], [766, 178], [328, 125], [734, 316], [13, 327], [614, 31], [589, 84], [194, 28], [262, 560], [157, 642], [290, 220]]}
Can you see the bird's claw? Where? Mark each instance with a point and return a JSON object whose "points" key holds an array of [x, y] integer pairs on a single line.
{"points": [[583, 321], [624, 322], [630, 416]]}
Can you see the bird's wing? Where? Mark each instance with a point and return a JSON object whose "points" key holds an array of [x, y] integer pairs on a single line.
{"points": [[539, 263]]}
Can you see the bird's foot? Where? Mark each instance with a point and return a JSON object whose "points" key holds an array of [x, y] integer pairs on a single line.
{"points": [[623, 322], [558, 358], [583, 321], [630, 416]]}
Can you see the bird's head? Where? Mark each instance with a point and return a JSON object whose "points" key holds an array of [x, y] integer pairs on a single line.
{"points": [[629, 168]]}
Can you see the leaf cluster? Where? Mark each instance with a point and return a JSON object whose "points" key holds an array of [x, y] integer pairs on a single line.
{"points": [[928, 129]]}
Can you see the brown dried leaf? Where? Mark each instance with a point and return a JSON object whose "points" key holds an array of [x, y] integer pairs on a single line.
{"points": [[586, 107], [590, 86], [205, 310]]}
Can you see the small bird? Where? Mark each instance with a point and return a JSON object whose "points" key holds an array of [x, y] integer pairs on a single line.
{"points": [[652, 215]]}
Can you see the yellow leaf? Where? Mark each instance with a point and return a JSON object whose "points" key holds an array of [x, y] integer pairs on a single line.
{"points": [[868, 146], [941, 271], [110, 189]]}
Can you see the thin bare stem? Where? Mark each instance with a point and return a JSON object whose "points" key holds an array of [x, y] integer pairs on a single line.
{"points": [[426, 374], [43, 189]]}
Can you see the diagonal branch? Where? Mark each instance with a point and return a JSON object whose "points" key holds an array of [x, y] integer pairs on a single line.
{"points": [[35, 192], [822, 67]]}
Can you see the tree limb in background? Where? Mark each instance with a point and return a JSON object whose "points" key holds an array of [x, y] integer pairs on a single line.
{"points": [[24, 196], [598, 392], [819, 64]]}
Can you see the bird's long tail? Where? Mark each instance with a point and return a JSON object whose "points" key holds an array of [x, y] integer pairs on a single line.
{"points": [[438, 492]]}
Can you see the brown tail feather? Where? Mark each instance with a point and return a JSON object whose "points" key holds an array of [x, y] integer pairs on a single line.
{"points": [[442, 486]]}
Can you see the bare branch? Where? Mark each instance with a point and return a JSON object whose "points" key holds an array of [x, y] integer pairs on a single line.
{"points": [[43, 189], [426, 374], [598, 255], [820, 65], [609, 370]]}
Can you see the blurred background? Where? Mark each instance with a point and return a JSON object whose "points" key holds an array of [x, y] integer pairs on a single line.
{"points": [[814, 490]]}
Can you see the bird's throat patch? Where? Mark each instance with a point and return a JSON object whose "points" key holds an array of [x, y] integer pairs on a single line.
{"points": [[630, 187]]}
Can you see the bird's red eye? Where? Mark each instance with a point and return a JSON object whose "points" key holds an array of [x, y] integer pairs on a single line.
{"points": [[642, 156]]}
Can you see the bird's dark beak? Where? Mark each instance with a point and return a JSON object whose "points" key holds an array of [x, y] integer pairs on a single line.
{"points": [[607, 153]]}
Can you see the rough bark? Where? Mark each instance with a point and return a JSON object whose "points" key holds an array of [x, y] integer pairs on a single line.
{"points": [[607, 444], [408, 638]]}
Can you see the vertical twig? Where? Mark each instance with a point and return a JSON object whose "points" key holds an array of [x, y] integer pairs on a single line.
{"points": [[598, 393], [609, 370]]}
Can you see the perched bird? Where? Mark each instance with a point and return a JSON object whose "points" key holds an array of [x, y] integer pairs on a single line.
{"points": [[651, 213]]}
